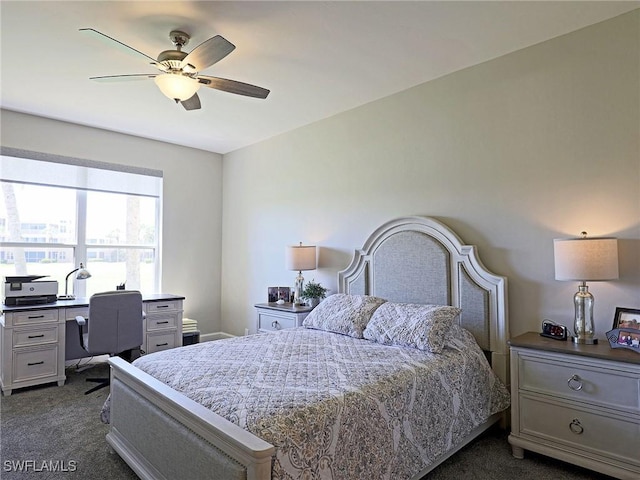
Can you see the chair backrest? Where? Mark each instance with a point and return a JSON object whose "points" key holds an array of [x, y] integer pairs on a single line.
{"points": [[115, 322]]}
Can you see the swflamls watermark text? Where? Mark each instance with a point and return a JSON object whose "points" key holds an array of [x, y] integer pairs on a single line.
{"points": [[39, 466]]}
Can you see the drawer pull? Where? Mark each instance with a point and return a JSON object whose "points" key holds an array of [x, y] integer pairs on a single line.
{"points": [[275, 324], [575, 427], [575, 383], [31, 317], [34, 363], [162, 306], [36, 336], [160, 323], [162, 344]]}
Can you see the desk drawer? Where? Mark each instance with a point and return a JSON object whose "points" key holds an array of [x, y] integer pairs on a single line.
{"points": [[28, 317], [164, 306], [163, 321], [35, 336], [29, 364], [161, 341], [72, 313]]}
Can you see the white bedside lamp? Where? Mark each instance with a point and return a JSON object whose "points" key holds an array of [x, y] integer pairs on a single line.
{"points": [[300, 258], [82, 274], [585, 259]]}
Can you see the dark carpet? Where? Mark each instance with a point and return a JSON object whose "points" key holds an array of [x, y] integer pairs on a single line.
{"points": [[50, 432]]}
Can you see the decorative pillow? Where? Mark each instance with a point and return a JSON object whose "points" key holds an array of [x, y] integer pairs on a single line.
{"points": [[425, 327], [342, 313]]}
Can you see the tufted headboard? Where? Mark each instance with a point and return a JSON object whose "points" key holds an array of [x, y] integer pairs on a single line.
{"points": [[420, 260]]}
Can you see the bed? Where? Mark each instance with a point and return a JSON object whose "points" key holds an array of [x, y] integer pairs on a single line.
{"points": [[161, 425]]}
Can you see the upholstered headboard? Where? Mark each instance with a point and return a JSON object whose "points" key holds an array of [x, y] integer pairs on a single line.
{"points": [[420, 260]]}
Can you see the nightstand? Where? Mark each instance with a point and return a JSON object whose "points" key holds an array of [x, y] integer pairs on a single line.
{"points": [[273, 316], [576, 403]]}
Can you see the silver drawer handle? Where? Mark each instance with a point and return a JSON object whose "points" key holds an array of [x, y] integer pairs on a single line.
{"points": [[575, 427], [575, 383], [275, 324]]}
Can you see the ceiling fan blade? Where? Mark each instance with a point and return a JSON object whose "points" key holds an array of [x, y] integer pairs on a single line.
{"points": [[233, 86], [123, 46], [208, 53], [192, 103], [124, 78]]}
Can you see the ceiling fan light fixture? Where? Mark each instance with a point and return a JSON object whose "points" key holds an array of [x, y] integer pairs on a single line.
{"points": [[176, 86]]}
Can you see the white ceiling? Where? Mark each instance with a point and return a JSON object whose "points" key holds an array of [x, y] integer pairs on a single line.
{"points": [[317, 58]]}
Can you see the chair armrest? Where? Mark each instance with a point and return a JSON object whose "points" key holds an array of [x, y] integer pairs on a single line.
{"points": [[81, 320]]}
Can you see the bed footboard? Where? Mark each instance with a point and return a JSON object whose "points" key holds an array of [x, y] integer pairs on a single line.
{"points": [[162, 434]]}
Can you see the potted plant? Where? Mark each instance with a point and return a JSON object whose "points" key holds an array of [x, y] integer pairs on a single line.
{"points": [[313, 292]]}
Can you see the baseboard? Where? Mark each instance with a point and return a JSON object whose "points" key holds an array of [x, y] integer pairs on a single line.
{"points": [[207, 337]]}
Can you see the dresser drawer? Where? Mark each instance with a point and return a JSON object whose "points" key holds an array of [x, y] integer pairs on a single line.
{"points": [[35, 336], [584, 382], [273, 323], [164, 306], [72, 313], [29, 364], [35, 316], [162, 341], [596, 431], [163, 321]]}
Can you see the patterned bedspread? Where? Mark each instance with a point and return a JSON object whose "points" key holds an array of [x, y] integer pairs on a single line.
{"points": [[338, 407]]}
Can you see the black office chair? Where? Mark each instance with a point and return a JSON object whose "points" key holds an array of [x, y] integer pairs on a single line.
{"points": [[114, 327]]}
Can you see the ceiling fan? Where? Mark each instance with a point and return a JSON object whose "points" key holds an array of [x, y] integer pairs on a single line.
{"points": [[180, 79]]}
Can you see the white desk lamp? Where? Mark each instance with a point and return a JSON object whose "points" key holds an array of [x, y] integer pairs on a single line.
{"points": [[300, 258], [82, 274], [585, 259]]}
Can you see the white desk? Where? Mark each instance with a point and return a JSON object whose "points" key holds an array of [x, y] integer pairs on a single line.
{"points": [[36, 340]]}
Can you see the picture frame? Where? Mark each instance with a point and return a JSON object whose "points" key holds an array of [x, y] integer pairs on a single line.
{"points": [[626, 329], [626, 318], [628, 338], [278, 293]]}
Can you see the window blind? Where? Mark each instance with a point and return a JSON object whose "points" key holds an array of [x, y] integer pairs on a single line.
{"points": [[55, 170]]}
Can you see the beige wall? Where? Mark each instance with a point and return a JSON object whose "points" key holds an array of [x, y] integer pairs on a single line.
{"points": [[535, 145], [192, 210]]}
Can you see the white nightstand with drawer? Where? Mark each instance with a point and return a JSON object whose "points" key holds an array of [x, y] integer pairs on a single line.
{"points": [[273, 317], [577, 403]]}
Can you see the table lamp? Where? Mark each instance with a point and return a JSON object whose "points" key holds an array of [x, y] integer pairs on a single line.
{"points": [[300, 258], [585, 259], [82, 274]]}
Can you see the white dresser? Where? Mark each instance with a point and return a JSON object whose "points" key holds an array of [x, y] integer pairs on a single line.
{"points": [[577, 403]]}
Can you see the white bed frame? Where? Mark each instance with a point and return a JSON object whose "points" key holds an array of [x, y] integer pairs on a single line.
{"points": [[162, 434]]}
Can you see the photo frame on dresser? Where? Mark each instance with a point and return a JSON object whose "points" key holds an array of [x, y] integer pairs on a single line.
{"points": [[278, 293], [626, 318], [626, 329]]}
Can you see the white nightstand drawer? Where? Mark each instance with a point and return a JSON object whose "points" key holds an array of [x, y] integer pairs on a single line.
{"points": [[273, 323], [163, 341], [35, 336], [168, 305], [593, 431], [35, 363], [35, 316], [583, 382]]}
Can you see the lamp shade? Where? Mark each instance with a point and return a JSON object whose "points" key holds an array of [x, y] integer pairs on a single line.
{"points": [[586, 259], [301, 257], [176, 86]]}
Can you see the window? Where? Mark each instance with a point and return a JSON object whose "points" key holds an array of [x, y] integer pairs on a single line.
{"points": [[58, 213]]}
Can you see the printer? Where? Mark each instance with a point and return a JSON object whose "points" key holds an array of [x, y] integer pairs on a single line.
{"points": [[29, 290]]}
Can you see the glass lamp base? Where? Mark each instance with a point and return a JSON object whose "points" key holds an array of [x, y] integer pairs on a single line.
{"points": [[585, 341]]}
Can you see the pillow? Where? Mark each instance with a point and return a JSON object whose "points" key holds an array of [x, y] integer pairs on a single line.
{"points": [[342, 313], [425, 327]]}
